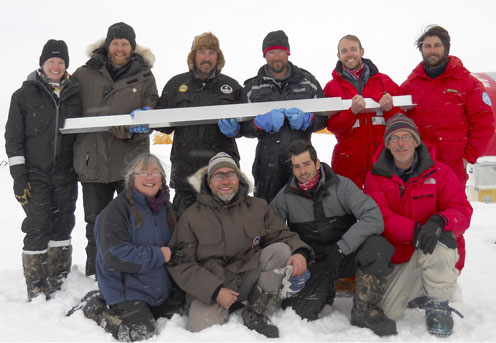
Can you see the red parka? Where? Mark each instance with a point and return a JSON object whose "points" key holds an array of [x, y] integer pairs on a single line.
{"points": [[358, 135], [453, 113], [432, 189]]}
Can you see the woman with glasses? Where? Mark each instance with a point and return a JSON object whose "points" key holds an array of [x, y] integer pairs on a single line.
{"points": [[132, 234]]}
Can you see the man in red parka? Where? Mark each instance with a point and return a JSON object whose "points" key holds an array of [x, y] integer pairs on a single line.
{"points": [[425, 213], [453, 110], [358, 134]]}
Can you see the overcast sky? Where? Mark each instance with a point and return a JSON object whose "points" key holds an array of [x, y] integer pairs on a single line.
{"points": [[386, 28]]}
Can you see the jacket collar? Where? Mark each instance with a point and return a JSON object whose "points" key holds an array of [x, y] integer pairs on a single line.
{"points": [[385, 163], [454, 69]]}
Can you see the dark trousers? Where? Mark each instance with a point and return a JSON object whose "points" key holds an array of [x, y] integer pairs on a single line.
{"points": [[96, 197], [50, 211], [183, 200], [140, 317]]}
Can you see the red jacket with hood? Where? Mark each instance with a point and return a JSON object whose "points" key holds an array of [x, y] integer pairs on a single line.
{"points": [[358, 135], [453, 113], [432, 189]]}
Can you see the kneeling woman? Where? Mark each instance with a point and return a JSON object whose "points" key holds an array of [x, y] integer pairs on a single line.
{"points": [[132, 234]]}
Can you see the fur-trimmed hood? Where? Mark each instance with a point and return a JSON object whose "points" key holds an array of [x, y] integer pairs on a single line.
{"points": [[199, 181], [145, 53]]}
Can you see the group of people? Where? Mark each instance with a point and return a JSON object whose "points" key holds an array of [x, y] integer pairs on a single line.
{"points": [[390, 210]]}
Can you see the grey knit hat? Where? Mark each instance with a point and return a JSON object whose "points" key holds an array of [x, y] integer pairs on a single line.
{"points": [[219, 161], [275, 40], [400, 122]]}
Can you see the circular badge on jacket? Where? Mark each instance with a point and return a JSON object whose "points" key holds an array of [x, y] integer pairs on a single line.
{"points": [[226, 89], [183, 88]]}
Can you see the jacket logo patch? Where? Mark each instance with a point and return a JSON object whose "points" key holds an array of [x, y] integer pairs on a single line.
{"points": [[226, 89], [486, 99], [451, 90], [256, 242], [183, 88], [430, 181]]}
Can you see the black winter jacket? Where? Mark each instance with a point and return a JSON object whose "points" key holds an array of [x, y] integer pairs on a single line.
{"points": [[271, 168], [194, 145], [32, 129]]}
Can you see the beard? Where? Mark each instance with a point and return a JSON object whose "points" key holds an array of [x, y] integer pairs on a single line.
{"points": [[439, 62], [226, 197], [205, 69], [119, 61], [277, 69]]}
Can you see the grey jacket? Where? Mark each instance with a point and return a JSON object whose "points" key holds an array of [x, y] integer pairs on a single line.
{"points": [[337, 212], [100, 156]]}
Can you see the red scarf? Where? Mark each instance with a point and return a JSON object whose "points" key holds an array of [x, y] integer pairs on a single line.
{"points": [[310, 184], [356, 73]]}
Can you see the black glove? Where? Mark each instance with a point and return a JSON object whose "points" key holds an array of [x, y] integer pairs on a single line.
{"points": [[177, 254], [22, 187], [120, 132], [427, 235], [448, 239], [334, 259]]}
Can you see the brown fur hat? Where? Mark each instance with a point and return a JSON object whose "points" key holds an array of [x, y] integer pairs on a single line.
{"points": [[209, 41]]}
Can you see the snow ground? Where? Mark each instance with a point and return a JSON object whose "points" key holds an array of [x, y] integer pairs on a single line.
{"points": [[45, 321]]}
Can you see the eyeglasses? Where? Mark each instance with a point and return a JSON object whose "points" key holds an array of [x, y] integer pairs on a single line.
{"points": [[145, 173], [404, 138], [220, 176]]}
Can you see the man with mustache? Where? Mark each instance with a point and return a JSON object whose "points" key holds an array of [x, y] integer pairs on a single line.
{"points": [[230, 247], [426, 213], [202, 85], [453, 110], [117, 79]]}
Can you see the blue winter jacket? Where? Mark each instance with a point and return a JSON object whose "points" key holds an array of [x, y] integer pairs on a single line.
{"points": [[129, 262]]}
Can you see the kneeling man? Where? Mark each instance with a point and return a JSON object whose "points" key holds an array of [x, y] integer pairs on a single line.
{"points": [[342, 225], [230, 247], [425, 212]]}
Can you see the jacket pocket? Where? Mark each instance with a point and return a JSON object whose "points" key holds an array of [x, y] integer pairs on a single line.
{"points": [[424, 203]]}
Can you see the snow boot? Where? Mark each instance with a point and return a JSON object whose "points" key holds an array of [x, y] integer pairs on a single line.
{"points": [[94, 307], [438, 318], [59, 266], [365, 313], [254, 314], [35, 268]]}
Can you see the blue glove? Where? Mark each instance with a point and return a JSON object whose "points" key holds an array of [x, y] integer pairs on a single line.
{"points": [[146, 108], [271, 121], [298, 119], [229, 127], [139, 129]]}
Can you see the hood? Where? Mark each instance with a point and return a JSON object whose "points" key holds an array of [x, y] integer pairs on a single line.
{"points": [[200, 184], [145, 53]]}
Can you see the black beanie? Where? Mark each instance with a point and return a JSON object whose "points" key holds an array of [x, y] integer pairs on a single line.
{"points": [[275, 40], [121, 30], [55, 48]]}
